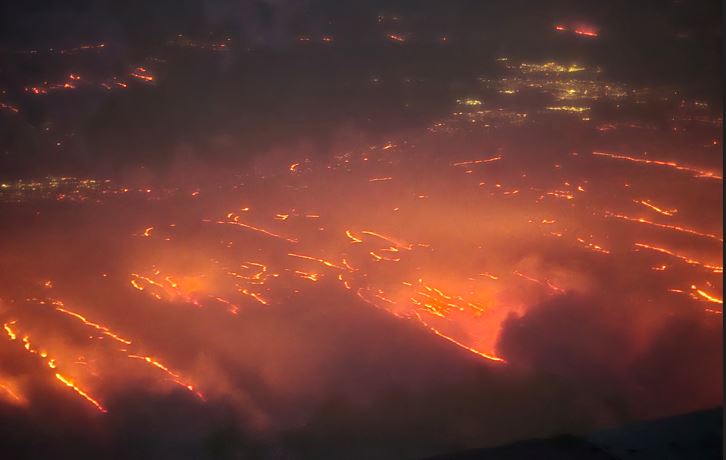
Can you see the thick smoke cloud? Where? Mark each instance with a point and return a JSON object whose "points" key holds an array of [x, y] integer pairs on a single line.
{"points": [[625, 366]]}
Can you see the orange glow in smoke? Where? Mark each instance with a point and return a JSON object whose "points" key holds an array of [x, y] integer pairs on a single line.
{"points": [[11, 394]]}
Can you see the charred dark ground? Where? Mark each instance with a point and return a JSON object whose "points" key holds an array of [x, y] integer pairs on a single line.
{"points": [[192, 110]]}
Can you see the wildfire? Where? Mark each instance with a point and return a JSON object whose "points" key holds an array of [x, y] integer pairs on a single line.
{"points": [[50, 362], [546, 283], [676, 228], [668, 164], [646, 203], [592, 246], [477, 162], [260, 230], [688, 260], [395, 242], [69, 383], [322, 261], [486, 356], [176, 378], [707, 296], [453, 251], [396, 38], [106, 331]]}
